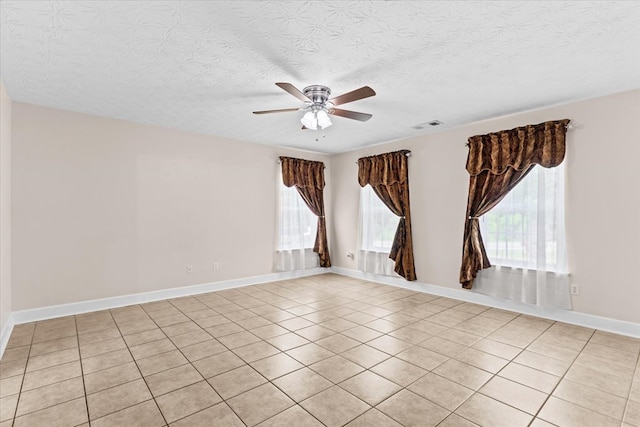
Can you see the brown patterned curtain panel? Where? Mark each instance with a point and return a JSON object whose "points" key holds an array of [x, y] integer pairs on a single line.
{"points": [[308, 178], [497, 162], [388, 175]]}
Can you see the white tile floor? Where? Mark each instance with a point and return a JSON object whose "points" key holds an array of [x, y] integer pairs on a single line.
{"points": [[323, 350]]}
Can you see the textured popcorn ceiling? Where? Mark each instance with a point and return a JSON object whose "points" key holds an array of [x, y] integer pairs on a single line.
{"points": [[205, 66]]}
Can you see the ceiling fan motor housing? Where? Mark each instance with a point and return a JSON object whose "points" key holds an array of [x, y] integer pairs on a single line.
{"points": [[318, 94]]}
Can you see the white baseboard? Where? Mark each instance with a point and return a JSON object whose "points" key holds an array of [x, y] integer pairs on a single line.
{"points": [[582, 319], [6, 333], [568, 316], [51, 312]]}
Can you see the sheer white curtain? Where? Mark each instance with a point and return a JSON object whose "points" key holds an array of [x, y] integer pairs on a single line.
{"points": [[524, 237], [296, 231], [376, 230]]}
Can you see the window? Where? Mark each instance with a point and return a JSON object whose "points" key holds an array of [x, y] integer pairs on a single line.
{"points": [[378, 224], [525, 242], [297, 224], [376, 229], [297, 227], [526, 229]]}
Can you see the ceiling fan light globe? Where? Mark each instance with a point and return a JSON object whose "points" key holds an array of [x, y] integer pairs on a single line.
{"points": [[309, 121], [323, 119]]}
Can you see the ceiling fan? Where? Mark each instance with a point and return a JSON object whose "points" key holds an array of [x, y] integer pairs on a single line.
{"points": [[318, 106]]}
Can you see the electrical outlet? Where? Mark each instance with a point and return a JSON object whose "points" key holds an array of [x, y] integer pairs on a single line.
{"points": [[189, 268], [575, 289], [216, 266]]}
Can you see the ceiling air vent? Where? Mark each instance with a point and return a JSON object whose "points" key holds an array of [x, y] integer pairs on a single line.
{"points": [[425, 124]]}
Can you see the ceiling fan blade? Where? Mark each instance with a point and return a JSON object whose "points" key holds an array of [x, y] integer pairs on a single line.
{"points": [[293, 91], [283, 110], [354, 95], [363, 117]]}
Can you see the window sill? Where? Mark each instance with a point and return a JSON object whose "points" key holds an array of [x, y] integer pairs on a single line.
{"points": [[522, 270], [371, 251]]}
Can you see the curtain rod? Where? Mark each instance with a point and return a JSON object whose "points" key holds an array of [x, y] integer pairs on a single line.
{"points": [[567, 127], [280, 162], [408, 155]]}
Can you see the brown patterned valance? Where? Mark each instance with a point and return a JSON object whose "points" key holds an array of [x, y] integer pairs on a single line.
{"points": [[519, 148], [384, 169], [303, 173]]}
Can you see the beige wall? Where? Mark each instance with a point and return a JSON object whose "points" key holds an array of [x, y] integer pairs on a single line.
{"points": [[106, 208], [602, 200], [5, 207]]}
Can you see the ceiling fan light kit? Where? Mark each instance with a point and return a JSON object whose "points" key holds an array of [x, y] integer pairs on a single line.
{"points": [[316, 119], [318, 106]]}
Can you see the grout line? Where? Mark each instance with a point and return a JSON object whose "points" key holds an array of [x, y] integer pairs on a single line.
{"points": [[138, 367], [24, 375], [561, 378], [84, 385], [342, 294], [196, 369], [626, 406]]}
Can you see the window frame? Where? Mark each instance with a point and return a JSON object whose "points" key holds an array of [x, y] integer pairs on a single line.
{"points": [[381, 212], [554, 259], [299, 206]]}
